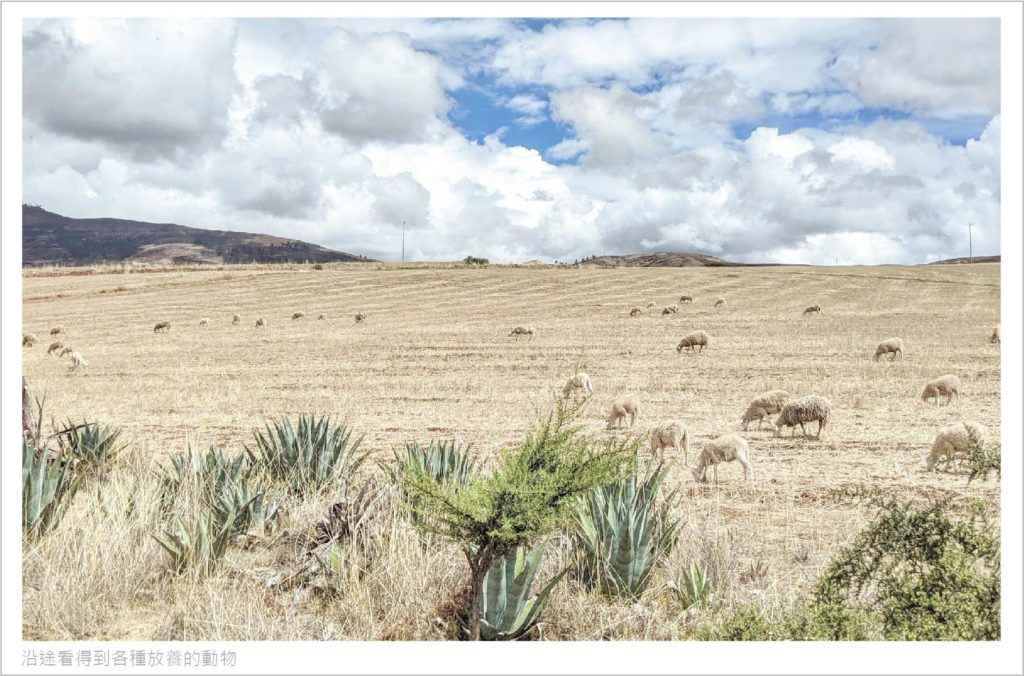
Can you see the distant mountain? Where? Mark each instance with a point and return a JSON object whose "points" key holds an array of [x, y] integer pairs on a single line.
{"points": [[965, 259], [659, 260], [48, 238]]}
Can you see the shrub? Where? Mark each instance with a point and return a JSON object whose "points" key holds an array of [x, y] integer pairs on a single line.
{"points": [[981, 460], [443, 461], [318, 266], [621, 534], [530, 494], [48, 485], [473, 260], [309, 457], [93, 445]]}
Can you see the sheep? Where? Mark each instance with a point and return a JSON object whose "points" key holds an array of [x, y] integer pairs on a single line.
{"points": [[812, 309], [28, 339], [77, 360], [622, 407], [635, 312], [720, 302], [522, 330], [997, 335], [890, 346], [807, 409], [321, 317], [57, 330], [686, 299], [955, 439], [671, 434], [764, 405], [650, 304], [205, 321], [235, 320], [947, 386], [162, 327], [55, 346], [670, 310], [67, 349], [692, 340], [260, 323], [360, 317], [298, 315], [723, 449], [580, 381]]}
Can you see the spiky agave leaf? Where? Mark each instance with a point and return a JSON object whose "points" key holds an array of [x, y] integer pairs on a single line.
{"points": [[509, 608], [91, 443], [310, 456], [48, 483]]}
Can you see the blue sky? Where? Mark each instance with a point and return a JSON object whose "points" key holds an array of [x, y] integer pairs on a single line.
{"points": [[754, 140]]}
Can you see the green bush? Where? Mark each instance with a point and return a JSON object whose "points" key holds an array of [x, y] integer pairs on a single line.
{"points": [[473, 260], [309, 457], [318, 266], [443, 461], [621, 533], [48, 484], [93, 445]]}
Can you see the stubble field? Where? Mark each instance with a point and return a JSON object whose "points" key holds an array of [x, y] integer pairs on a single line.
{"points": [[434, 360]]}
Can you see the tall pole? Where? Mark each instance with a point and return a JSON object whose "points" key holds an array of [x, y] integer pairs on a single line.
{"points": [[970, 241], [403, 241]]}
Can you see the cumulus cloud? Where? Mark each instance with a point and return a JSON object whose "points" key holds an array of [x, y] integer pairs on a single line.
{"points": [[337, 131]]}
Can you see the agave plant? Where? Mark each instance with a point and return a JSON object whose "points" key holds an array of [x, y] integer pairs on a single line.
{"points": [[310, 456], [621, 534], [509, 609], [94, 445], [48, 483], [444, 461], [693, 586], [198, 546]]}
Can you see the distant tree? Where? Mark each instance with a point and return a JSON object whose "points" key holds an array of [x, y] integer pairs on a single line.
{"points": [[473, 260]]}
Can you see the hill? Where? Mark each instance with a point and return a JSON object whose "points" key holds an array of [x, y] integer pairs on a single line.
{"points": [[659, 260], [965, 259], [49, 239]]}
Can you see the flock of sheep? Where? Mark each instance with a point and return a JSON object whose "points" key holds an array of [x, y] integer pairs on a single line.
{"points": [[789, 412]]}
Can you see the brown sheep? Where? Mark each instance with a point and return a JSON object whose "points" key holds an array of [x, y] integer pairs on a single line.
{"points": [[57, 330], [635, 312], [686, 299], [360, 317], [997, 335], [55, 347], [28, 339], [162, 327], [522, 330], [812, 309], [298, 315], [260, 323]]}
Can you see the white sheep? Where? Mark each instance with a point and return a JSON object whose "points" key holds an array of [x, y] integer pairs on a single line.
{"points": [[692, 340], [723, 449], [955, 439], [28, 339], [77, 360], [673, 435], [580, 381], [162, 327], [670, 310], [812, 408], [298, 315], [997, 335], [205, 321], [260, 323], [763, 405], [720, 302], [622, 407], [812, 309], [947, 386], [890, 346], [235, 320], [522, 330]]}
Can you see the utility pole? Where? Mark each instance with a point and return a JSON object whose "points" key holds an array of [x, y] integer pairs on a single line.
{"points": [[970, 241], [403, 241]]}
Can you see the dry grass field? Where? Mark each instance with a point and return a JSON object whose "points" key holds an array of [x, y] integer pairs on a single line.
{"points": [[434, 359]]}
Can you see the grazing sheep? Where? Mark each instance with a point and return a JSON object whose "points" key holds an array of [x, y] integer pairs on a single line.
{"points": [[768, 403], [205, 321], [67, 349], [650, 304], [622, 407], [28, 339], [522, 330], [57, 330], [723, 449], [235, 320], [321, 317], [997, 335], [260, 323], [360, 317], [686, 299], [55, 346], [670, 310], [671, 435], [635, 311], [720, 302], [692, 340], [955, 439], [947, 386], [162, 327], [580, 381], [890, 346], [298, 315], [78, 361], [812, 408], [812, 309]]}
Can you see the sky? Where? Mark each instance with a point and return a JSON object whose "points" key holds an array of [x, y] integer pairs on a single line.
{"points": [[821, 141]]}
